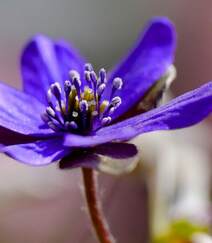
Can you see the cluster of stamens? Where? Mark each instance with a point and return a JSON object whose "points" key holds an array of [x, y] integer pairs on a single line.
{"points": [[81, 109]]}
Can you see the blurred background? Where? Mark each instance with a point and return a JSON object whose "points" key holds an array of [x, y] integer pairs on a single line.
{"points": [[43, 205]]}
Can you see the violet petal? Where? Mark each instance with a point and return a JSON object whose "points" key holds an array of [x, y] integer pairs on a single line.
{"points": [[9, 137], [21, 112], [145, 64], [44, 62], [153, 96], [183, 111], [111, 158], [38, 153], [117, 150], [80, 159]]}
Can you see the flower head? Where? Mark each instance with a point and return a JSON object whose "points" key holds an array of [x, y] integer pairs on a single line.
{"points": [[71, 113], [81, 110]]}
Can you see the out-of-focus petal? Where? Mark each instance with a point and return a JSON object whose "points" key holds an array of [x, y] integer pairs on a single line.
{"points": [[117, 158], [111, 158], [80, 159], [20, 113], [183, 111], [44, 62], [145, 64], [117, 150], [38, 153]]}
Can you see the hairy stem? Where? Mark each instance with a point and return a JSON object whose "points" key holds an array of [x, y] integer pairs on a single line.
{"points": [[95, 210]]}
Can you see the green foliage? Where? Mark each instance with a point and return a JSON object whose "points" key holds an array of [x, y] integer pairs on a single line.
{"points": [[180, 231]]}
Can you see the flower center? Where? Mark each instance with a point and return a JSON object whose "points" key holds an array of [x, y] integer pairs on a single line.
{"points": [[81, 110]]}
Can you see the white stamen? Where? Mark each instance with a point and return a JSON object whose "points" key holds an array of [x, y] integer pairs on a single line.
{"points": [[106, 120], [53, 126], [112, 109], [116, 101], [77, 82], [50, 111], [83, 105], [56, 89], [67, 86], [88, 67], [93, 77], [117, 83], [73, 74], [102, 75], [101, 89], [71, 124], [87, 76]]}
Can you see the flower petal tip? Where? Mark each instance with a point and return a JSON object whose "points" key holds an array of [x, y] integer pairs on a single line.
{"points": [[165, 27]]}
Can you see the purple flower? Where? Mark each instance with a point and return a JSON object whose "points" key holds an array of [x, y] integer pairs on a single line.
{"points": [[68, 112]]}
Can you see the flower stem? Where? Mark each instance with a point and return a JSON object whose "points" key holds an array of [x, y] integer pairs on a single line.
{"points": [[95, 210]]}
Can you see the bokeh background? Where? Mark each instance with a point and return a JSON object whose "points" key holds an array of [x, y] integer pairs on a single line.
{"points": [[43, 205]]}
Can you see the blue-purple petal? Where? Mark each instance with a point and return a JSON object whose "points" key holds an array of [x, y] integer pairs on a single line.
{"points": [[20, 113], [145, 64], [183, 111], [9, 137], [38, 153], [80, 159], [112, 158], [44, 62], [117, 150]]}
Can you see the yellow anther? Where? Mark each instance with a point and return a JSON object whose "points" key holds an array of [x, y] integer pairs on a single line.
{"points": [[71, 99], [92, 105], [76, 103], [88, 94], [103, 106]]}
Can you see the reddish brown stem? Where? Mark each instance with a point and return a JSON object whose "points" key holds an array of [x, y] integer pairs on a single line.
{"points": [[98, 220]]}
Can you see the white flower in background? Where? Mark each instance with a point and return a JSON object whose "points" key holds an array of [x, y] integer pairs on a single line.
{"points": [[201, 238]]}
